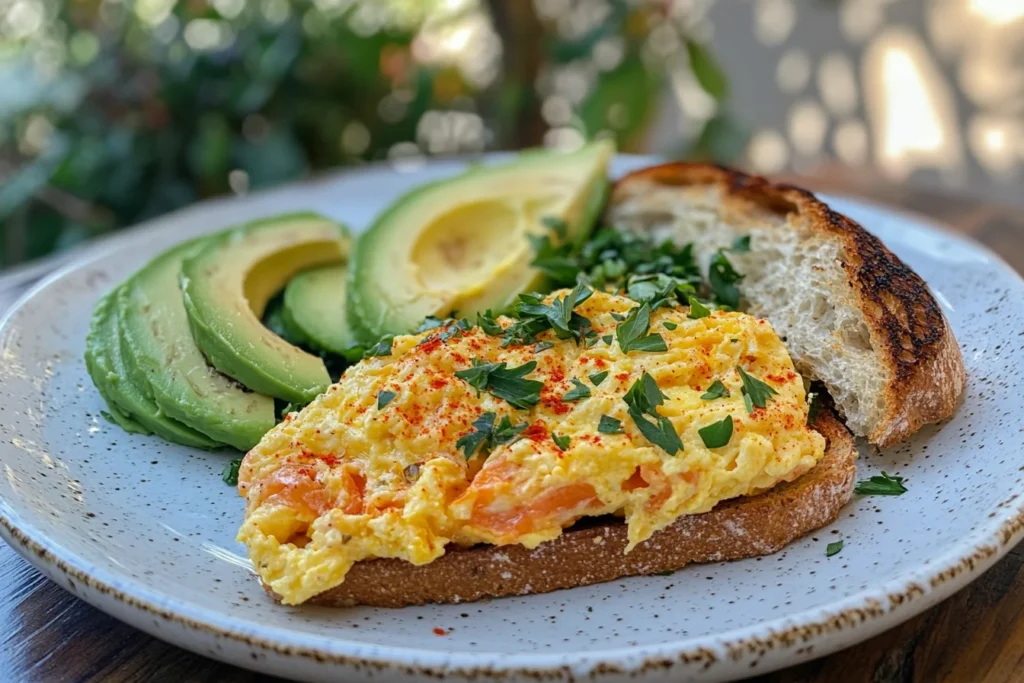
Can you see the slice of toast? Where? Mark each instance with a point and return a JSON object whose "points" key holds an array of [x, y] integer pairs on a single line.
{"points": [[594, 552], [850, 312]]}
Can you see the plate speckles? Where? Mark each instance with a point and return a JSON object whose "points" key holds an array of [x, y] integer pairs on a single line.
{"points": [[145, 530]]}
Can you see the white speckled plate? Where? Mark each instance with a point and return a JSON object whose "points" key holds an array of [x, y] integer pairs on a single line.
{"points": [[145, 530]]}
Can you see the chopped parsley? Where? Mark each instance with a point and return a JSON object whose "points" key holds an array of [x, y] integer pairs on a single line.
{"points": [[643, 399], [716, 390], [542, 346], [609, 425], [385, 397], [431, 322], [504, 382], [884, 485], [230, 475], [557, 262], [723, 279], [562, 441], [657, 289], [813, 406], [608, 339], [697, 310], [717, 434], [632, 335], [488, 323], [578, 391], [598, 377], [740, 245], [618, 317], [487, 434], [382, 348], [833, 548], [556, 225], [535, 317], [756, 393], [670, 325]]}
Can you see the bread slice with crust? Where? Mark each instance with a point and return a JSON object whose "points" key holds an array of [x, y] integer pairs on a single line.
{"points": [[851, 313], [594, 552]]}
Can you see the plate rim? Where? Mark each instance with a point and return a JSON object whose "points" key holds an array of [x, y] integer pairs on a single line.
{"points": [[865, 613]]}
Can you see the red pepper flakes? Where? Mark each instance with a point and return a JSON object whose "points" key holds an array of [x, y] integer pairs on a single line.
{"points": [[599, 363], [330, 460], [536, 431], [622, 376], [459, 358], [438, 631], [439, 382], [780, 379], [557, 375]]}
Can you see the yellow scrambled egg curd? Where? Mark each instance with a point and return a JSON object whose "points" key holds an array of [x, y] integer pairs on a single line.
{"points": [[373, 468]]}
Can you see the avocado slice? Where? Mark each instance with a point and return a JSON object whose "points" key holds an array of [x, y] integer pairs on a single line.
{"points": [[314, 309], [164, 361], [105, 361], [462, 245], [226, 287]]}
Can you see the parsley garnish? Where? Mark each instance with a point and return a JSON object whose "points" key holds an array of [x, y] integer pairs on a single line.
{"points": [[562, 441], [230, 475], [431, 322], [813, 406], [535, 316], [657, 289], [485, 433], [632, 332], [488, 324], [385, 397], [381, 348], [542, 346], [579, 391], [643, 398], [609, 425], [697, 310], [557, 262], [556, 225], [723, 278], [740, 245], [717, 434], [716, 390], [670, 325], [884, 485], [504, 382], [833, 548], [598, 377], [607, 339], [755, 392]]}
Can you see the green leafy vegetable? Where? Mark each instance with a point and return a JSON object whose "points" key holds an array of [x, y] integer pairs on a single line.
{"points": [[697, 310], [598, 377], [381, 348], [230, 474], [717, 434], [642, 399], [385, 397], [740, 245], [431, 322], [578, 391], [884, 485], [542, 346], [723, 279], [488, 324], [562, 441], [755, 390], [481, 433], [833, 548], [716, 390], [670, 325], [609, 425], [504, 382], [556, 225], [632, 335]]}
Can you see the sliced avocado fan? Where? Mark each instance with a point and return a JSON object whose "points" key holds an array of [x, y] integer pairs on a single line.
{"points": [[462, 245], [165, 362], [105, 361], [314, 309], [226, 287]]}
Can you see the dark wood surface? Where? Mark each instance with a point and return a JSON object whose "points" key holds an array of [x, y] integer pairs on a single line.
{"points": [[977, 635]]}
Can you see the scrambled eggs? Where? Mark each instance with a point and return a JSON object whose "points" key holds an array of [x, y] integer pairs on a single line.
{"points": [[373, 467]]}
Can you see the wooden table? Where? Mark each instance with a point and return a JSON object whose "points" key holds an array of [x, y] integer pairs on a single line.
{"points": [[977, 635]]}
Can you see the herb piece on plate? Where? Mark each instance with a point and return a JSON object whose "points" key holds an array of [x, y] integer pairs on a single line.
{"points": [[833, 548], [385, 397], [717, 434], [230, 474], [632, 335], [884, 485], [504, 382], [578, 391], [609, 425], [562, 441], [716, 390], [597, 377], [724, 279], [642, 399], [755, 392]]}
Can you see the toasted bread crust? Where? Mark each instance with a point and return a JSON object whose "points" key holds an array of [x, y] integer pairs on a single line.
{"points": [[919, 353], [745, 527]]}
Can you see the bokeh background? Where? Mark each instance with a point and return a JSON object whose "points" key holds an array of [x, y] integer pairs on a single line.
{"points": [[114, 111]]}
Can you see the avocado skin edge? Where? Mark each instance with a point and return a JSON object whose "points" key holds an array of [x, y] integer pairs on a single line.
{"points": [[185, 404], [106, 367]]}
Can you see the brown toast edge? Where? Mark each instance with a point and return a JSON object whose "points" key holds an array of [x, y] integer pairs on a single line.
{"points": [[744, 527], [921, 356]]}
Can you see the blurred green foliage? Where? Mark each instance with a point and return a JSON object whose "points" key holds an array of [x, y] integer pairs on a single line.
{"points": [[114, 111]]}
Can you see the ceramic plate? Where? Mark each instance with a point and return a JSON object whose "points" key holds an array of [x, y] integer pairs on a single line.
{"points": [[145, 530]]}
